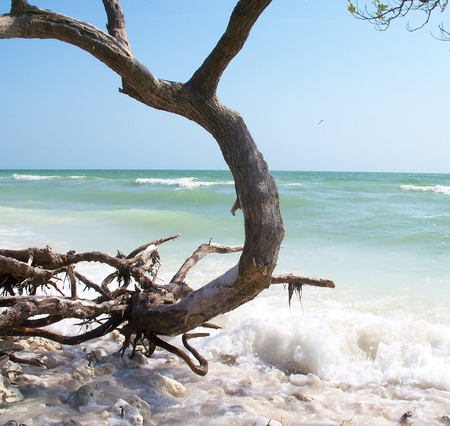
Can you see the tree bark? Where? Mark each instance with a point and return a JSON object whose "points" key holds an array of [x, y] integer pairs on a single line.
{"points": [[196, 100], [257, 194]]}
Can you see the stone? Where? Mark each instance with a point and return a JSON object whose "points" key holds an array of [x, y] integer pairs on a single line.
{"points": [[120, 361], [82, 372], [142, 406], [124, 411], [100, 354], [9, 393], [49, 360], [86, 395], [170, 386]]}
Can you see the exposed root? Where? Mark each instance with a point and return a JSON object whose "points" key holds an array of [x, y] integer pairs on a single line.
{"points": [[128, 297]]}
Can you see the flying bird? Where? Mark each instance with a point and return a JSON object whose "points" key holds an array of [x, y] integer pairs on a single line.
{"points": [[320, 122]]}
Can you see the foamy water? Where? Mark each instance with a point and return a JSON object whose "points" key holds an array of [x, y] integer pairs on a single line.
{"points": [[367, 352], [435, 188], [188, 182]]}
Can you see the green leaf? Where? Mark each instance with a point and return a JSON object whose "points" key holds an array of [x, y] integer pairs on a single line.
{"points": [[351, 8]]}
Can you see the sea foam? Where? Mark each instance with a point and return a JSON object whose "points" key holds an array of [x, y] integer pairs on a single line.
{"points": [[17, 176], [440, 189], [186, 182]]}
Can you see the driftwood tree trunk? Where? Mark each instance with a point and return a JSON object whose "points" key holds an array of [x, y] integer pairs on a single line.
{"points": [[175, 310]]}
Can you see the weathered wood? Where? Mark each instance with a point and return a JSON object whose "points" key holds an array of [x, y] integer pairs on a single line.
{"points": [[142, 307], [176, 308], [301, 280]]}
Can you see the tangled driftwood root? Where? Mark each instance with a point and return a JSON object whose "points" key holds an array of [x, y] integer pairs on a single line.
{"points": [[40, 287]]}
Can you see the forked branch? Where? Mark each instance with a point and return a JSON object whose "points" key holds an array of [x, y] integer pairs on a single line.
{"points": [[30, 309]]}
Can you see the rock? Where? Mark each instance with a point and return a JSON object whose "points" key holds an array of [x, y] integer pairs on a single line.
{"points": [[170, 386], [82, 372], [40, 342], [309, 380], [120, 361], [300, 397], [69, 382], [25, 379], [228, 359], [142, 406], [124, 411], [100, 354], [8, 393], [86, 395], [445, 420], [11, 346], [49, 360], [277, 400], [11, 423], [406, 418], [104, 369]]}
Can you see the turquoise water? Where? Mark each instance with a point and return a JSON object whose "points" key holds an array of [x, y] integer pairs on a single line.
{"points": [[372, 232], [383, 238], [399, 222]]}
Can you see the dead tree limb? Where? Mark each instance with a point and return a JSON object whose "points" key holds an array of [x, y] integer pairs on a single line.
{"points": [[161, 310], [28, 311]]}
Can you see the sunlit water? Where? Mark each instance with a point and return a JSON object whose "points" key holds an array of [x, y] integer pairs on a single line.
{"points": [[366, 352]]}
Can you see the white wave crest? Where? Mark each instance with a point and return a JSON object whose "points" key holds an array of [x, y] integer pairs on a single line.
{"points": [[441, 189], [17, 176], [187, 182]]}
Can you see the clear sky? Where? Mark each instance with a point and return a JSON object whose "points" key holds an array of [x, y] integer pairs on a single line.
{"points": [[383, 96]]}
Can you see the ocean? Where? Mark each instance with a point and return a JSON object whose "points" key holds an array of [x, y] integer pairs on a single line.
{"points": [[367, 352]]}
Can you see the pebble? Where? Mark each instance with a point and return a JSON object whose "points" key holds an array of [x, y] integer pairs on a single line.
{"points": [[125, 361], [40, 342], [87, 395], [124, 411], [100, 354], [82, 372], [50, 360], [8, 393], [141, 405], [170, 386]]}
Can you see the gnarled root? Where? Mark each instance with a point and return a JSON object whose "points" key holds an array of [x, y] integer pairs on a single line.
{"points": [[128, 297]]}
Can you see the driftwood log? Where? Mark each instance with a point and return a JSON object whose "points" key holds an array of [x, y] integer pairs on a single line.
{"points": [[40, 287], [130, 297]]}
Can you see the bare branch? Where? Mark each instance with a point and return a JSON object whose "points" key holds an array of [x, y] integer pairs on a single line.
{"points": [[155, 243], [202, 368], [116, 55], [21, 308], [198, 255], [301, 280], [116, 22], [19, 7], [100, 331], [382, 14], [244, 16]]}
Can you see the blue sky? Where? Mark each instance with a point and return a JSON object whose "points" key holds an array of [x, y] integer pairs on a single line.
{"points": [[383, 96]]}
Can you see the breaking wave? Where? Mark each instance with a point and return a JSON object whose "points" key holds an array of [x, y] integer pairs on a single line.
{"points": [[18, 176], [440, 189], [186, 182]]}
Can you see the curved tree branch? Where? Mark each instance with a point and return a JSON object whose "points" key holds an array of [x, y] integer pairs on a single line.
{"points": [[244, 16], [151, 308], [199, 254], [111, 324]]}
